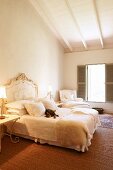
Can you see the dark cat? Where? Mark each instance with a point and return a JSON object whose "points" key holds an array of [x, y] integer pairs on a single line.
{"points": [[50, 113]]}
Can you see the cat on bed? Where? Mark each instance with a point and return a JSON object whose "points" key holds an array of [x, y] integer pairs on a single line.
{"points": [[50, 113]]}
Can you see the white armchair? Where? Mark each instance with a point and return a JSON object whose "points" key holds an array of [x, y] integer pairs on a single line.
{"points": [[69, 95], [69, 99]]}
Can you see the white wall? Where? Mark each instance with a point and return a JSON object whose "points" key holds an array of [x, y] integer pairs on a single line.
{"points": [[27, 45], [81, 58]]}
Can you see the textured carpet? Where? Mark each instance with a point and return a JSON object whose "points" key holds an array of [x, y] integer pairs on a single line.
{"points": [[27, 155], [106, 121]]}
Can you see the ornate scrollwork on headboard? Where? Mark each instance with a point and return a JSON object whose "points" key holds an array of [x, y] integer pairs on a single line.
{"points": [[21, 77], [21, 88]]}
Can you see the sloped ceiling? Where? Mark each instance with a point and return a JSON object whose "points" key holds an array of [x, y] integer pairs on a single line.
{"points": [[79, 25]]}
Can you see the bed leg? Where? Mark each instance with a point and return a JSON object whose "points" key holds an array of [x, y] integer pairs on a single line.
{"points": [[36, 140], [84, 148]]}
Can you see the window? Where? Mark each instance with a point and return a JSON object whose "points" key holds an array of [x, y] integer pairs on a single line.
{"points": [[95, 82]]}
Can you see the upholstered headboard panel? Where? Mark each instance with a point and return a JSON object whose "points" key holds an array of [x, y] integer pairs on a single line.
{"points": [[21, 88]]}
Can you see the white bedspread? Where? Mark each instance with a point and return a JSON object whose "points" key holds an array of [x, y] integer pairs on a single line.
{"points": [[73, 128]]}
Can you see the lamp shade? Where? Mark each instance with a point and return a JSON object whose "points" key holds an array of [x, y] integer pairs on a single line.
{"points": [[50, 88], [2, 92]]}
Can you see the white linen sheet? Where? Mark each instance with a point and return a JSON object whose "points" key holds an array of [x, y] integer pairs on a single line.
{"points": [[73, 128]]}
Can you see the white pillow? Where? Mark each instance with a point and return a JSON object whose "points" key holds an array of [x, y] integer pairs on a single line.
{"points": [[49, 104], [18, 104], [35, 109], [19, 112]]}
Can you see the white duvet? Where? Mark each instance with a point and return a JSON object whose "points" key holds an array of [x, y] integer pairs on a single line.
{"points": [[73, 128]]}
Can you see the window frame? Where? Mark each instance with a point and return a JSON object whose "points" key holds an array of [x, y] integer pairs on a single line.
{"points": [[86, 82]]}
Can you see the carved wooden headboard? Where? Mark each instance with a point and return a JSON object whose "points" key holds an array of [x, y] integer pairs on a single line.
{"points": [[21, 88]]}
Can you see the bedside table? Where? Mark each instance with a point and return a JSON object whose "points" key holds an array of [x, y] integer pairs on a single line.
{"points": [[8, 118]]}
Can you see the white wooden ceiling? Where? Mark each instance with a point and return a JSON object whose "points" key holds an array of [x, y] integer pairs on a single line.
{"points": [[79, 24]]}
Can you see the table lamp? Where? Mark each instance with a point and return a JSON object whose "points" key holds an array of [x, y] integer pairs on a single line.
{"points": [[2, 97], [50, 91]]}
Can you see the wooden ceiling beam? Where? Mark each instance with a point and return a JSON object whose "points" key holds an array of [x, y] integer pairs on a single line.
{"points": [[98, 23], [75, 22], [47, 19]]}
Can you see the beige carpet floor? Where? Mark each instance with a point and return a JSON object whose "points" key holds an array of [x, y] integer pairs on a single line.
{"points": [[27, 155]]}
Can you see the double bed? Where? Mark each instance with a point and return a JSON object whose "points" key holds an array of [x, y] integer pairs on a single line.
{"points": [[73, 128]]}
